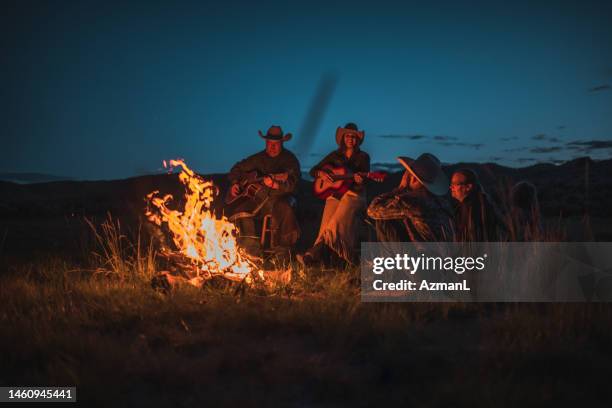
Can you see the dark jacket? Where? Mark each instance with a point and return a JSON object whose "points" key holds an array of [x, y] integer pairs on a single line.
{"points": [[284, 162], [359, 162], [284, 224], [477, 219]]}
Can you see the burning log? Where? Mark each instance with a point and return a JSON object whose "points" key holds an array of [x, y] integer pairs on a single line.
{"points": [[205, 244], [167, 281]]}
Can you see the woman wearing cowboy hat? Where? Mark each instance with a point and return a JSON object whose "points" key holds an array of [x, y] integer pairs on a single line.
{"points": [[340, 222], [419, 209]]}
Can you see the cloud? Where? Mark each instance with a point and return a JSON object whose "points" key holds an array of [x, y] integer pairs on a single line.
{"points": [[441, 140], [507, 139], [600, 88], [516, 149], [389, 167], [410, 137], [546, 149], [476, 146], [495, 158], [471, 145], [573, 147], [543, 137], [561, 127], [587, 146]]}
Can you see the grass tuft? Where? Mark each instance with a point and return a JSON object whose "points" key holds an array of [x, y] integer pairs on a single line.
{"points": [[118, 256]]}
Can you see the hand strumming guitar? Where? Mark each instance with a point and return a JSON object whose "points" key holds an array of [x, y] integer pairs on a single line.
{"points": [[269, 182], [325, 175], [235, 189], [273, 180], [337, 180]]}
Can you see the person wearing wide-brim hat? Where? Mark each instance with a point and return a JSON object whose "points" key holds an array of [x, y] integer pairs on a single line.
{"points": [[276, 134], [281, 174], [419, 209], [341, 218]]}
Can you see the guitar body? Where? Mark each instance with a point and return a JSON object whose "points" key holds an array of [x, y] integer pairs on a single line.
{"points": [[252, 196], [341, 181], [323, 188], [246, 205], [250, 185]]}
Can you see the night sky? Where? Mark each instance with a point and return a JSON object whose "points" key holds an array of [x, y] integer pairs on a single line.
{"points": [[98, 90]]}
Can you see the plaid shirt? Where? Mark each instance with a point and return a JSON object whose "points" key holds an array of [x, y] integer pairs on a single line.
{"points": [[425, 216]]}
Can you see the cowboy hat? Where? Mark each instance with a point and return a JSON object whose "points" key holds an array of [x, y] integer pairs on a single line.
{"points": [[427, 169], [276, 133], [349, 128]]}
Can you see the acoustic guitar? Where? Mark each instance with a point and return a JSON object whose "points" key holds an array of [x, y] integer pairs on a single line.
{"points": [[340, 181], [251, 191]]}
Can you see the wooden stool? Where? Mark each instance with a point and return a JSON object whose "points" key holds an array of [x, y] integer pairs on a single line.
{"points": [[266, 227]]}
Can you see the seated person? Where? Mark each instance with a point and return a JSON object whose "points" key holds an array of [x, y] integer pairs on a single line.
{"points": [[418, 210], [341, 216], [477, 218], [278, 173]]}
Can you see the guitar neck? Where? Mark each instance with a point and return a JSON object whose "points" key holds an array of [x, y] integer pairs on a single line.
{"points": [[350, 176], [260, 177]]}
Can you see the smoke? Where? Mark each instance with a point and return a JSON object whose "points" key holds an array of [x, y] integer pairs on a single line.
{"points": [[314, 116]]}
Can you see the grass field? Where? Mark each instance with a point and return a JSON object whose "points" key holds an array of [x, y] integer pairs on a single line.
{"points": [[311, 343], [94, 320]]}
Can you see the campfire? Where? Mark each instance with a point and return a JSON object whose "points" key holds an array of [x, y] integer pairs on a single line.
{"points": [[204, 245]]}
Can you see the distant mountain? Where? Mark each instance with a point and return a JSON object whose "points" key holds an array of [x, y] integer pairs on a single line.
{"points": [[29, 178], [576, 187], [388, 167]]}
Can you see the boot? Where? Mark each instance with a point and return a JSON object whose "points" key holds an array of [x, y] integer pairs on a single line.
{"points": [[313, 256]]}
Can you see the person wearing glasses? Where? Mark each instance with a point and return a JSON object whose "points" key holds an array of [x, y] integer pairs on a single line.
{"points": [[477, 218]]}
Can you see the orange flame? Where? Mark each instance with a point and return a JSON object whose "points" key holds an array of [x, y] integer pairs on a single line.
{"points": [[209, 242]]}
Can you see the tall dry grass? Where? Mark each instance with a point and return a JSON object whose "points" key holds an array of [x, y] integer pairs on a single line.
{"points": [[525, 225], [118, 256]]}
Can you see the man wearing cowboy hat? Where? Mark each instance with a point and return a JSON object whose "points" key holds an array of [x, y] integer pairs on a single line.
{"points": [[418, 210], [280, 170]]}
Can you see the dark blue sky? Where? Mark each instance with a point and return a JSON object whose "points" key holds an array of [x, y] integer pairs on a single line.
{"points": [[106, 90]]}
